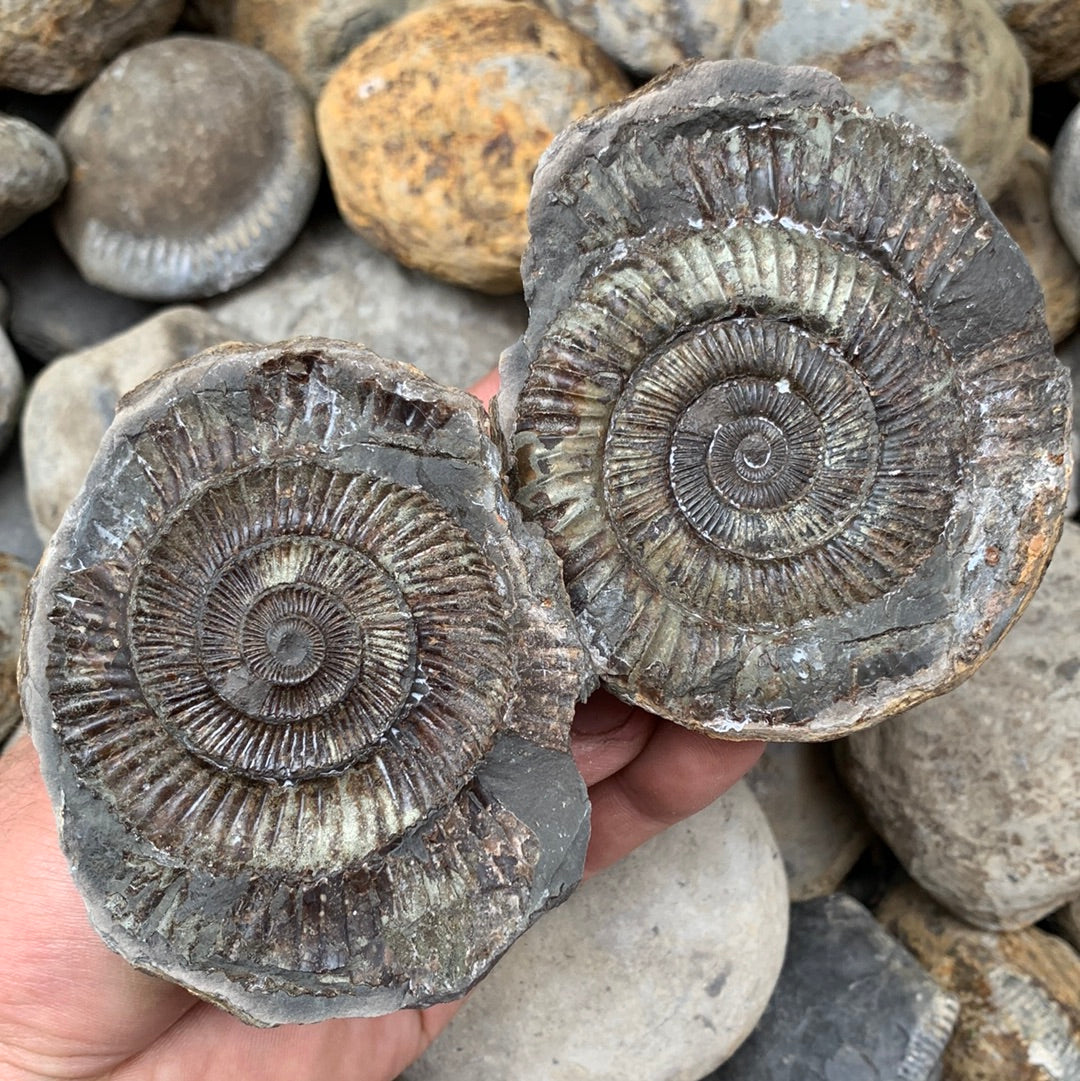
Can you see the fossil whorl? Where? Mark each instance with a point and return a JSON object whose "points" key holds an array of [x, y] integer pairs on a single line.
{"points": [[302, 684], [786, 404]]}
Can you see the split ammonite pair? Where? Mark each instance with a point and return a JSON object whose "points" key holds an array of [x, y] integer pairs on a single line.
{"points": [[300, 677]]}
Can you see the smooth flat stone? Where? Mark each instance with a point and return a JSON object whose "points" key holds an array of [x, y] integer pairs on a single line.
{"points": [[656, 969], [978, 792], [73, 400], [818, 825], [1019, 992], [333, 282], [851, 1005]]}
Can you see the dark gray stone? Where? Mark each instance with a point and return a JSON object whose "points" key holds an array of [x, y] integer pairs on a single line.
{"points": [[851, 1005], [17, 533], [54, 310]]}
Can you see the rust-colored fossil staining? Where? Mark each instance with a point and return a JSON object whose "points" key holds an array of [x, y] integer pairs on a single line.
{"points": [[772, 398], [302, 686], [432, 129]]}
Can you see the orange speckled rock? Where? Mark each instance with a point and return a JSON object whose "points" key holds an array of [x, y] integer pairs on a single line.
{"points": [[432, 128]]}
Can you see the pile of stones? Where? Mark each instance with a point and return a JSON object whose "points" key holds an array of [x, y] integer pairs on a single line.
{"points": [[904, 902]]}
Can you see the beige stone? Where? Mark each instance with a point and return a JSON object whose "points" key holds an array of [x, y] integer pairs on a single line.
{"points": [[819, 827], [950, 66], [432, 128], [978, 792], [655, 970], [1023, 207], [648, 36], [1049, 34], [72, 402], [1019, 992]]}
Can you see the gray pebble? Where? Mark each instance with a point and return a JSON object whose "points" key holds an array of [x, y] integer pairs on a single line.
{"points": [[32, 171]]}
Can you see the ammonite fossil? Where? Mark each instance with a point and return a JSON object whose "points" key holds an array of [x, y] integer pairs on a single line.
{"points": [[302, 684], [786, 404]]}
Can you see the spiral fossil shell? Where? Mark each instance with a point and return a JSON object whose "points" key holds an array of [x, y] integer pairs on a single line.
{"points": [[786, 404], [302, 685]]}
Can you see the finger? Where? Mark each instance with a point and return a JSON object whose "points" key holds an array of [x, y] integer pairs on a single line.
{"points": [[607, 734], [485, 389], [677, 773], [64, 996]]}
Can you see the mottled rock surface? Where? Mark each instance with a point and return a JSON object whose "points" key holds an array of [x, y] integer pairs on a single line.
{"points": [[1019, 992], [656, 969], [432, 128], [32, 171], [851, 1004], [73, 401], [1049, 35], [333, 282], [818, 826], [14, 577], [51, 45], [193, 167], [1023, 207], [309, 38], [54, 310], [978, 792], [648, 36], [950, 66]]}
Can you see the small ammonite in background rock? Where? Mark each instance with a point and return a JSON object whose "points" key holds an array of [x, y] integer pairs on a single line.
{"points": [[1023, 207], [302, 685], [648, 36], [803, 457], [32, 171], [1049, 35], [14, 576], [950, 66], [310, 38], [432, 128], [1019, 992], [193, 166], [52, 45]]}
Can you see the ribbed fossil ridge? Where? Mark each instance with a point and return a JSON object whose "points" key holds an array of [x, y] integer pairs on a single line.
{"points": [[302, 686], [786, 404]]}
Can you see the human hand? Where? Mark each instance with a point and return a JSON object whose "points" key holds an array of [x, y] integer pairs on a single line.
{"points": [[71, 1008]]}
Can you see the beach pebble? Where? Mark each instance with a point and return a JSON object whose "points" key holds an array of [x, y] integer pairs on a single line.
{"points": [[52, 45], [648, 36], [54, 310], [1023, 207], [950, 66], [14, 577], [1019, 992], [12, 385], [978, 792], [1066, 922], [433, 126], [1049, 35], [309, 38], [819, 827], [851, 1005], [1065, 182], [17, 533], [32, 171], [656, 969], [73, 400], [193, 167], [333, 283]]}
